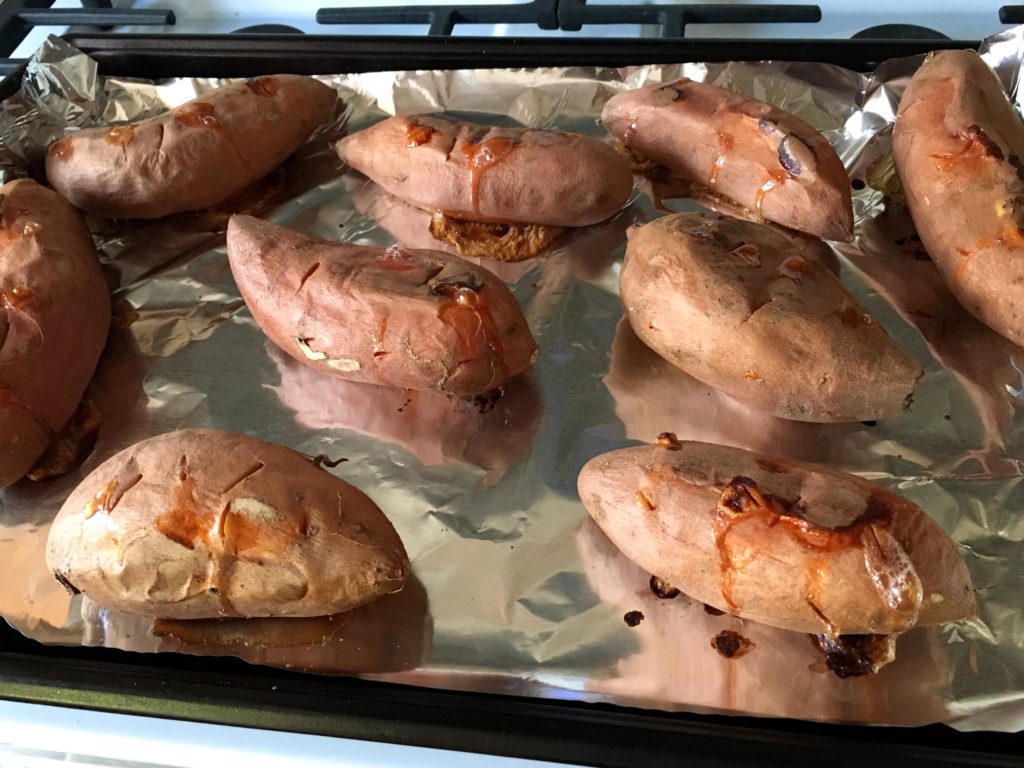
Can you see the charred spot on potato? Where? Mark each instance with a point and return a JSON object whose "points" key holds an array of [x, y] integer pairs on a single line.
{"points": [[64, 582], [510, 241], [854, 655], [633, 618], [662, 590], [975, 133], [731, 645], [710, 610], [669, 441], [485, 403]]}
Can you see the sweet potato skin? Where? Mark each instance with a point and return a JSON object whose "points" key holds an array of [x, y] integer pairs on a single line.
{"points": [[54, 316], [191, 157], [206, 523], [480, 173], [784, 544], [958, 147], [768, 161], [740, 307], [404, 318]]}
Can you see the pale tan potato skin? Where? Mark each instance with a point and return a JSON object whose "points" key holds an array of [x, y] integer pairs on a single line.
{"points": [[740, 307], [959, 151], [205, 523], [769, 161], [812, 570], [54, 316], [522, 175], [191, 157], [400, 317]]}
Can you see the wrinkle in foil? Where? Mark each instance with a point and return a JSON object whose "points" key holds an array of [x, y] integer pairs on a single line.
{"points": [[515, 590]]}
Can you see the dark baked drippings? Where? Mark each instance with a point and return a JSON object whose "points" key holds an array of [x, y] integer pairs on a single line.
{"points": [[989, 148], [633, 618], [731, 645], [662, 590], [669, 441], [64, 582], [854, 655]]}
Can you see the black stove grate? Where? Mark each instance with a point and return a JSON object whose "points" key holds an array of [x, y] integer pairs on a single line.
{"points": [[443, 18], [572, 15], [18, 17]]}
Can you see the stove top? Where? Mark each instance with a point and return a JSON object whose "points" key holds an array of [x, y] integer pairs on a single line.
{"points": [[25, 23]]}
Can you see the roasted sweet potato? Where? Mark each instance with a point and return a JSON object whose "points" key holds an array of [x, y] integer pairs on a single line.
{"points": [[958, 147], [205, 523], [493, 175], [714, 140], [784, 544], [54, 316], [739, 307], [405, 318], [192, 157]]}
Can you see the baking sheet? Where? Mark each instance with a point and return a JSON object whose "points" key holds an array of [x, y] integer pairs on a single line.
{"points": [[515, 591]]}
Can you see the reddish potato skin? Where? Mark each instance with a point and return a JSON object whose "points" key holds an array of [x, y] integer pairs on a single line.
{"points": [[958, 147], [809, 570], [776, 331], [769, 161], [410, 319], [205, 523], [191, 157], [481, 173], [54, 316]]}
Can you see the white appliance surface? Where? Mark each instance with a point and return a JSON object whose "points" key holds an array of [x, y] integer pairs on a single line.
{"points": [[33, 736]]}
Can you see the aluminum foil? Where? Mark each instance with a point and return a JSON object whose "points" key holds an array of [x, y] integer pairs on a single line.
{"points": [[515, 590]]}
